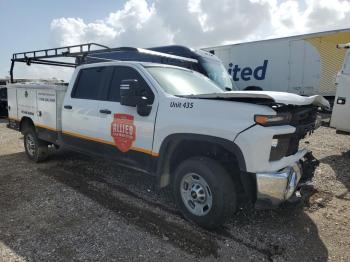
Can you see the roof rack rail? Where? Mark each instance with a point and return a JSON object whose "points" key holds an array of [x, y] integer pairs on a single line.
{"points": [[79, 52], [65, 51], [39, 56]]}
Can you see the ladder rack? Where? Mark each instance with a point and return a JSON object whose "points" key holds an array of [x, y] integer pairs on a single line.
{"points": [[40, 56], [65, 51], [80, 52]]}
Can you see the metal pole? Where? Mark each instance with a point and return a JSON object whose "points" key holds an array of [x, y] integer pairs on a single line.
{"points": [[11, 70]]}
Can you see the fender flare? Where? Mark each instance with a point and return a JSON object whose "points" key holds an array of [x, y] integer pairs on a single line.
{"points": [[25, 119]]}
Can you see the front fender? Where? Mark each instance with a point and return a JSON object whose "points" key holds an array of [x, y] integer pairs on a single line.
{"points": [[256, 147], [170, 143]]}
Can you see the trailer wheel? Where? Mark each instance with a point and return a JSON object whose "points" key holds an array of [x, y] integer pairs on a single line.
{"points": [[36, 149], [204, 192]]}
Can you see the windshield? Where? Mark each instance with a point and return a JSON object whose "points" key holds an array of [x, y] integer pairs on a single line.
{"points": [[217, 72], [177, 81]]}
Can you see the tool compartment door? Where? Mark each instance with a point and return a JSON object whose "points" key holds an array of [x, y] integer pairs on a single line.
{"points": [[12, 103], [47, 115], [26, 102]]}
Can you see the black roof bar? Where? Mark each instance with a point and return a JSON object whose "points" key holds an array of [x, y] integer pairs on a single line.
{"points": [[54, 63]]}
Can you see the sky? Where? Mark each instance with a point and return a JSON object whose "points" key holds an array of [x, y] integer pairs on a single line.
{"points": [[37, 24]]}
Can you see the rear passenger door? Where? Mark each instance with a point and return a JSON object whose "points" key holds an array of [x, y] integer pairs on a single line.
{"points": [[81, 119]]}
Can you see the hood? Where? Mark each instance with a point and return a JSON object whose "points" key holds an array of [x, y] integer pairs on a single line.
{"points": [[277, 97]]}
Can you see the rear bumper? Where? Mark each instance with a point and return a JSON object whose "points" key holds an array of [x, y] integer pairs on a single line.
{"points": [[274, 188]]}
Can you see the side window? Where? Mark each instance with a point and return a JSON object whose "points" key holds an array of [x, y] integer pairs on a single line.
{"points": [[121, 73], [89, 83]]}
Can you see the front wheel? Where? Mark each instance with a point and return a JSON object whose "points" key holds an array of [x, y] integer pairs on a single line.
{"points": [[204, 192], [36, 149]]}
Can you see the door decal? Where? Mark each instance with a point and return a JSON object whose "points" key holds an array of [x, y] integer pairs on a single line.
{"points": [[123, 131]]}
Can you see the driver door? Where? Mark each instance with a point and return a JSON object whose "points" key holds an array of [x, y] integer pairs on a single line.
{"points": [[129, 135]]}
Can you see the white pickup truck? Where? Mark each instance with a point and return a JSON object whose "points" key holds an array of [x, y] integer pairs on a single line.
{"points": [[174, 123]]}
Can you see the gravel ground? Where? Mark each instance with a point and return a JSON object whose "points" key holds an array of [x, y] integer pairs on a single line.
{"points": [[73, 207]]}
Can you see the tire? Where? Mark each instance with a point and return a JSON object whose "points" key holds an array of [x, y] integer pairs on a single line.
{"points": [[36, 149], [204, 192]]}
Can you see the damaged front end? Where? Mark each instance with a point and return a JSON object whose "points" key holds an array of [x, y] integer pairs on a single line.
{"points": [[304, 119], [274, 188]]}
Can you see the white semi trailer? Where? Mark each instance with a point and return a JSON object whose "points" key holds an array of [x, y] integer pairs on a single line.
{"points": [[303, 64]]}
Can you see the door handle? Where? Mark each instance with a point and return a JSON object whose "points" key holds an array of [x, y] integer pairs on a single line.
{"points": [[105, 111], [341, 100], [68, 107]]}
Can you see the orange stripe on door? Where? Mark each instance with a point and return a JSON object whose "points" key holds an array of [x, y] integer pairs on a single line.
{"points": [[98, 140]]}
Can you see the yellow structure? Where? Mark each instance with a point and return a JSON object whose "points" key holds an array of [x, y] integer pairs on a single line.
{"points": [[331, 57]]}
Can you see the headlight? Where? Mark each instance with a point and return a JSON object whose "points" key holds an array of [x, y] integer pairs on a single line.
{"points": [[268, 120]]}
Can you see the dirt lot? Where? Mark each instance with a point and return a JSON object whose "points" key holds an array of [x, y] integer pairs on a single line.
{"points": [[73, 207]]}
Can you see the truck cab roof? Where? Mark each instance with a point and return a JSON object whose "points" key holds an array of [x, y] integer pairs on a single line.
{"points": [[144, 64], [184, 51]]}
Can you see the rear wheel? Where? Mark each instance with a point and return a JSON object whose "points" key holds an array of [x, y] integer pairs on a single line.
{"points": [[36, 149], [204, 192]]}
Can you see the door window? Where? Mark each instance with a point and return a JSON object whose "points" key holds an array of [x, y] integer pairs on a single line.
{"points": [[121, 73], [90, 83]]}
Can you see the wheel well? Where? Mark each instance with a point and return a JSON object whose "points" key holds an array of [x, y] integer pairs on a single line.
{"points": [[187, 148], [25, 123], [180, 150]]}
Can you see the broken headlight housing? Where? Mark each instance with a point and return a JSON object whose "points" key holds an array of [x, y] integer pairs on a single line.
{"points": [[273, 120]]}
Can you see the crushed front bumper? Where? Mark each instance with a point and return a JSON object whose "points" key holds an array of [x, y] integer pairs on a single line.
{"points": [[274, 188]]}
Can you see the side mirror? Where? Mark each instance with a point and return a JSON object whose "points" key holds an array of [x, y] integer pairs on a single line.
{"points": [[143, 108], [130, 96], [128, 88]]}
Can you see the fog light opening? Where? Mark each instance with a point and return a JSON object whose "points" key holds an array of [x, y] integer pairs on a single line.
{"points": [[274, 143]]}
